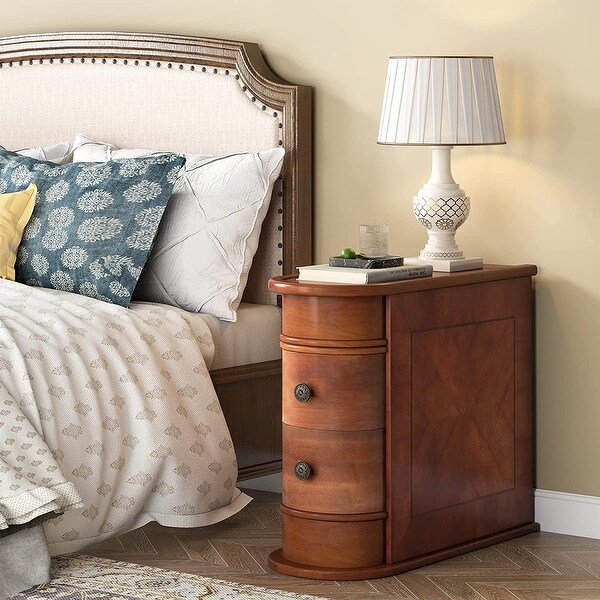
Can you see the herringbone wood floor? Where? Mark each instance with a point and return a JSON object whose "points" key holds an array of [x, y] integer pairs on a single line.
{"points": [[541, 566]]}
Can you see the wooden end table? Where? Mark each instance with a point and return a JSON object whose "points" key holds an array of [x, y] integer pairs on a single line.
{"points": [[407, 420]]}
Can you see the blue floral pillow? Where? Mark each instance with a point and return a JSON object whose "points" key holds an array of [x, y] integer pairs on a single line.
{"points": [[93, 223]]}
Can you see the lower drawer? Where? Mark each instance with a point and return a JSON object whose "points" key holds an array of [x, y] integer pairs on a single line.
{"points": [[335, 544], [345, 473]]}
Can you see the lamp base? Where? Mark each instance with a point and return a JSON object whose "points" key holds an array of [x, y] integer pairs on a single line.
{"points": [[448, 266]]}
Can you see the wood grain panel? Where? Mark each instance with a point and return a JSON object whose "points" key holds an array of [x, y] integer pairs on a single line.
{"points": [[462, 413], [333, 318], [347, 470], [492, 369], [339, 399], [333, 544]]}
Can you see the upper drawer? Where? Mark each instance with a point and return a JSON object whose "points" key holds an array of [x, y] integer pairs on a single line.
{"points": [[346, 470], [325, 318], [346, 392]]}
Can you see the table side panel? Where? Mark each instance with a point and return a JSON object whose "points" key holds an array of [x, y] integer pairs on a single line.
{"points": [[459, 394]]}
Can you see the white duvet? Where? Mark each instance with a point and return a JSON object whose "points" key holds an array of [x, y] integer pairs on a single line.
{"points": [[111, 405]]}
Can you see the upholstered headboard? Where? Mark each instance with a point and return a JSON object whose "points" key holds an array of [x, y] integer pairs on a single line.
{"points": [[177, 93]]}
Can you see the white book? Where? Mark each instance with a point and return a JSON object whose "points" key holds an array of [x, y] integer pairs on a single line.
{"points": [[326, 273]]}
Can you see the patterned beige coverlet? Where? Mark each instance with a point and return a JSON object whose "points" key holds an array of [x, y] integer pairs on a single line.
{"points": [[114, 405]]}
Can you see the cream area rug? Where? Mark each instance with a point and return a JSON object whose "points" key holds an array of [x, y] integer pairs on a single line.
{"points": [[79, 577]]}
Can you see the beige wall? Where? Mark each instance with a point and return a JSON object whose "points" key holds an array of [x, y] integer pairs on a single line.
{"points": [[534, 200]]}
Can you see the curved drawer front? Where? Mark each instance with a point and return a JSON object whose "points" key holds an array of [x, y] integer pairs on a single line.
{"points": [[345, 392], [334, 472], [326, 318], [333, 543]]}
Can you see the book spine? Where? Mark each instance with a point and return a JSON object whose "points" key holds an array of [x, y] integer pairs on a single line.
{"points": [[400, 273], [329, 278]]}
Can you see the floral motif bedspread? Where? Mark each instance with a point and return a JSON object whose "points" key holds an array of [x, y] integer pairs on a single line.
{"points": [[113, 405]]}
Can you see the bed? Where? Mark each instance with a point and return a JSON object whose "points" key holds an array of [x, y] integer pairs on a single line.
{"points": [[181, 94]]}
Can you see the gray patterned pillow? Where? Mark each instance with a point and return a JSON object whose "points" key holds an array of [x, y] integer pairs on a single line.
{"points": [[93, 224]]}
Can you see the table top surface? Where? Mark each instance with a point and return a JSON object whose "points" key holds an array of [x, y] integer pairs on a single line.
{"points": [[289, 284]]}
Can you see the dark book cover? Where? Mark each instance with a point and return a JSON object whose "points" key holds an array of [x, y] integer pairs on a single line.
{"points": [[361, 262]]}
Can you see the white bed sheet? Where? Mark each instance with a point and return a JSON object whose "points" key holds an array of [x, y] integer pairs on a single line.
{"points": [[123, 404]]}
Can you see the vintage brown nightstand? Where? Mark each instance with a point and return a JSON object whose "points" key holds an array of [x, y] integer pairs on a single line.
{"points": [[407, 420]]}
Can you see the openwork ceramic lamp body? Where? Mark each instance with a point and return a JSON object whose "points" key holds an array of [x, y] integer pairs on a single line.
{"points": [[441, 102]]}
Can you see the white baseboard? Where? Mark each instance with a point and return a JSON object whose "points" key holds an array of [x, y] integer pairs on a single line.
{"points": [[571, 514]]}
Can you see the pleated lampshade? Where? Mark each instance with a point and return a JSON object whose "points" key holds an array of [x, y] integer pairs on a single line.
{"points": [[441, 100]]}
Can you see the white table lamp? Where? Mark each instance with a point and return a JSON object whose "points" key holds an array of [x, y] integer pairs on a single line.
{"points": [[441, 101]]}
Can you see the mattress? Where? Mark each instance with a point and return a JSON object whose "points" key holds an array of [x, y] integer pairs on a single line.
{"points": [[253, 338]]}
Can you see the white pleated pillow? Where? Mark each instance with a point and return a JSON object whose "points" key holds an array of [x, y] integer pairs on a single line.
{"points": [[57, 153], [210, 229]]}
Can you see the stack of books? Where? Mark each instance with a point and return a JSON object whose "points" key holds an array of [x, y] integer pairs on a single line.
{"points": [[331, 274]]}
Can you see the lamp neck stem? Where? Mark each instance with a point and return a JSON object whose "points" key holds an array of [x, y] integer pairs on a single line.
{"points": [[440, 165], [441, 183]]}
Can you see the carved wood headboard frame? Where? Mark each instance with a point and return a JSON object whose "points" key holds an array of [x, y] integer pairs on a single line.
{"points": [[97, 85]]}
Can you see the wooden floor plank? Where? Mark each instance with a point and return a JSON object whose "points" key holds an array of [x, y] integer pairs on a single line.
{"points": [[540, 566], [202, 551], [456, 588], [393, 587], [166, 544], [527, 561], [588, 560], [487, 561], [421, 586], [137, 542], [238, 557], [563, 563], [493, 591], [542, 538]]}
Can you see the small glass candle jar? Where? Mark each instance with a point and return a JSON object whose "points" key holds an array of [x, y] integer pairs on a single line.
{"points": [[374, 240]]}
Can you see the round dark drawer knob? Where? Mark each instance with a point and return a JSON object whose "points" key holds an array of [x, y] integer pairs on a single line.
{"points": [[302, 392], [302, 470]]}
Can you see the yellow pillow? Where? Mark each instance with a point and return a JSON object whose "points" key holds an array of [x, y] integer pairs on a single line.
{"points": [[15, 212]]}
